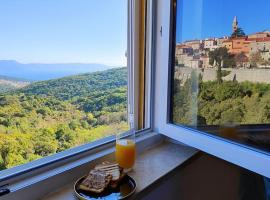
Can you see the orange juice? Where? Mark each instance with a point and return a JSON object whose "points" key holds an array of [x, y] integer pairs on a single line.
{"points": [[125, 153]]}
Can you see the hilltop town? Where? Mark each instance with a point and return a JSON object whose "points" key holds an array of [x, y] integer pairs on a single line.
{"points": [[245, 51]]}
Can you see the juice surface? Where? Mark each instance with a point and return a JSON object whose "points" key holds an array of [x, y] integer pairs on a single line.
{"points": [[125, 153]]}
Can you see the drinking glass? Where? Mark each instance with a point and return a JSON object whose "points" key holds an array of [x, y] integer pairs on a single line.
{"points": [[125, 150]]}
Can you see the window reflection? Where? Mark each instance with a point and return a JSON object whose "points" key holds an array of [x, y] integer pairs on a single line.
{"points": [[222, 68]]}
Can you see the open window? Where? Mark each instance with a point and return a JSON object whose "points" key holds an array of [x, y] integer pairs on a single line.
{"points": [[216, 95]]}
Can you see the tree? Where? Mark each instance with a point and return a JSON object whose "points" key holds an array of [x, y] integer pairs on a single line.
{"points": [[200, 81], [15, 149], [66, 138], [219, 75], [255, 59], [238, 33], [240, 59], [234, 78], [219, 58], [45, 142]]}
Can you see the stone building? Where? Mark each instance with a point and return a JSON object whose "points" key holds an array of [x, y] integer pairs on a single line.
{"points": [[237, 45], [261, 45], [259, 35], [195, 63], [194, 44], [227, 44], [221, 40], [210, 44], [183, 49], [183, 54], [205, 62]]}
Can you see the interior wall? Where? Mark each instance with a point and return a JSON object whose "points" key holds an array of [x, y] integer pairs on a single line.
{"points": [[206, 177]]}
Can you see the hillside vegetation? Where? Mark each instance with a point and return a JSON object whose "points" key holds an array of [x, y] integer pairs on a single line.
{"points": [[11, 83], [221, 103], [51, 116]]}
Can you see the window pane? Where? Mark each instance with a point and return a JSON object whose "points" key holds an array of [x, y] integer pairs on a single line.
{"points": [[63, 75], [221, 68]]}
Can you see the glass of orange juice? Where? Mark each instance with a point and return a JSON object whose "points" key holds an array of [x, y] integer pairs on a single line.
{"points": [[125, 150]]}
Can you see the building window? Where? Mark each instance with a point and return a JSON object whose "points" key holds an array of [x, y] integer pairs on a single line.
{"points": [[225, 96], [63, 76]]}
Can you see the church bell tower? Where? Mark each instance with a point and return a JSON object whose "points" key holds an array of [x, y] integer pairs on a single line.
{"points": [[234, 24]]}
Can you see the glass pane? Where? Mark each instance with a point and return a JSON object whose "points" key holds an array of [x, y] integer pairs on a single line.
{"points": [[63, 75], [221, 68]]}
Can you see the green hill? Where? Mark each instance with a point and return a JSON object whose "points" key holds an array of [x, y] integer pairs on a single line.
{"points": [[79, 85], [90, 92], [50, 116]]}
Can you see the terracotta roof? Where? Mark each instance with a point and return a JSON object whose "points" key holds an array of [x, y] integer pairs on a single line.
{"points": [[251, 39], [265, 39], [183, 46], [258, 33]]}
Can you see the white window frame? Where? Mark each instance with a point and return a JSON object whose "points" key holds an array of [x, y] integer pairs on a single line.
{"points": [[40, 166], [245, 157]]}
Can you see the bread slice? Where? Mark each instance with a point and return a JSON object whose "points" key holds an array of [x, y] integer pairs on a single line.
{"points": [[112, 169], [97, 181]]}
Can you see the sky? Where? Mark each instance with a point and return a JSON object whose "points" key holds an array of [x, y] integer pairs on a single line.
{"points": [[198, 19], [64, 31]]}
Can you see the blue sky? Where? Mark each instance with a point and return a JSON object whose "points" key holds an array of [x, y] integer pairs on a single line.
{"points": [[197, 19], [53, 31]]}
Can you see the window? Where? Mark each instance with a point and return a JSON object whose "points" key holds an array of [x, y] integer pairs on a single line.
{"points": [[63, 76], [178, 114], [225, 94]]}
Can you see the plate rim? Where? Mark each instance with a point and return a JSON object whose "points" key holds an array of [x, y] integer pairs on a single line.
{"points": [[81, 197]]}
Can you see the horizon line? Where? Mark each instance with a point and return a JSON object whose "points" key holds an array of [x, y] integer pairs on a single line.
{"points": [[61, 62]]}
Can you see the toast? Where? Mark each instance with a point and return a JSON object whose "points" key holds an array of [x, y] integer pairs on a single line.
{"points": [[112, 169], [97, 181]]}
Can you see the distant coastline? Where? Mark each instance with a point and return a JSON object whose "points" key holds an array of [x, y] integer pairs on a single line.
{"points": [[40, 71]]}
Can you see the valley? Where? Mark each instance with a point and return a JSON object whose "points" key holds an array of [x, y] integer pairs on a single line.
{"points": [[42, 118]]}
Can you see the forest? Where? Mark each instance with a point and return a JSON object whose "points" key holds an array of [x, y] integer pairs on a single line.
{"points": [[47, 117], [220, 102]]}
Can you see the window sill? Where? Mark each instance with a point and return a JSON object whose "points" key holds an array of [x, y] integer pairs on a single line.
{"points": [[160, 160], [155, 152]]}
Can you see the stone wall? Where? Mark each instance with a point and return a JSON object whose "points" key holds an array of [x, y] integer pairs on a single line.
{"points": [[252, 75]]}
